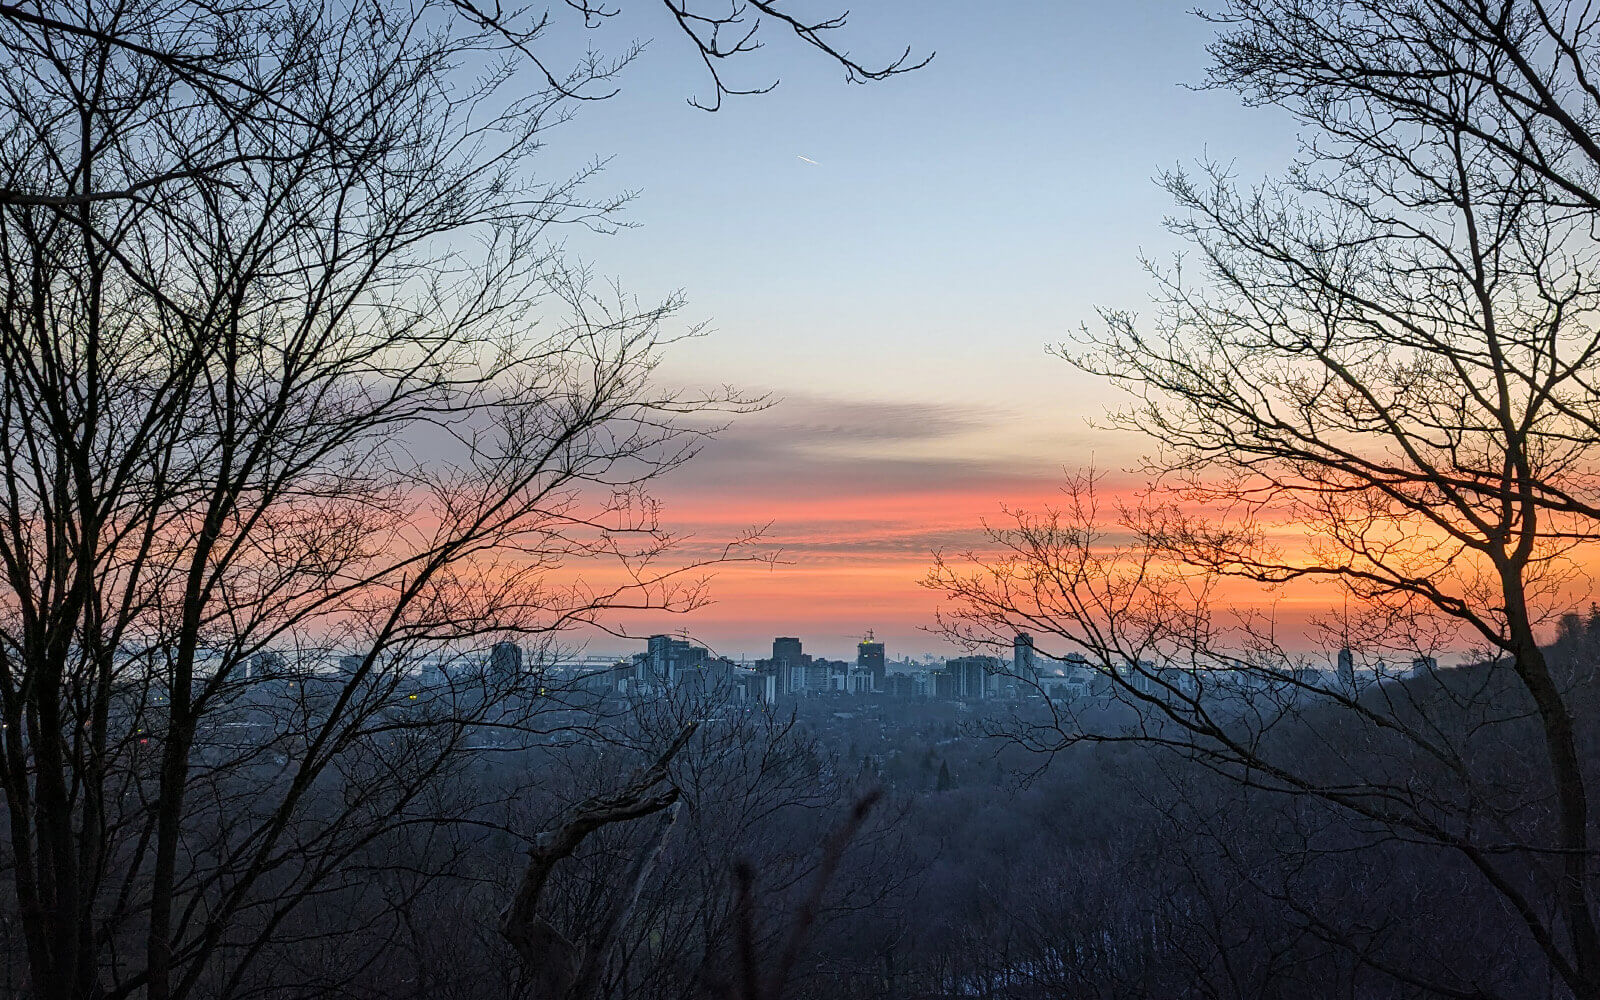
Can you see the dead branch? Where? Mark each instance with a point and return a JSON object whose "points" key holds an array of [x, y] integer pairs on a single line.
{"points": [[557, 967]]}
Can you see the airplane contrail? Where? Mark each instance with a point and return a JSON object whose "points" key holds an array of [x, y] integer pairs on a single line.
{"points": [[806, 158]]}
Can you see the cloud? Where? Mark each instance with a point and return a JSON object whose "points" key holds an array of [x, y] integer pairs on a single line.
{"points": [[819, 447], [817, 419]]}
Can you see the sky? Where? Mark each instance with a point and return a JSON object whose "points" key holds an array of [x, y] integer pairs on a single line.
{"points": [[888, 263]]}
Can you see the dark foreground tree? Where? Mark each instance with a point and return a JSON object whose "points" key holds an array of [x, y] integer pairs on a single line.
{"points": [[1382, 392], [299, 407]]}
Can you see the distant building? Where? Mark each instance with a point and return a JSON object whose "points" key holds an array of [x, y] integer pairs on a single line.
{"points": [[266, 666], [791, 665], [1064, 687], [751, 686], [800, 673], [672, 663], [973, 678], [668, 660], [906, 685], [906, 666], [1347, 668], [823, 674], [704, 675], [869, 658], [1139, 675], [1070, 677], [505, 661], [1024, 661], [434, 671], [859, 682]]}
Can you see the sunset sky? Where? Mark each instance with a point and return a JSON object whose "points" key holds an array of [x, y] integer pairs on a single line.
{"points": [[896, 295]]}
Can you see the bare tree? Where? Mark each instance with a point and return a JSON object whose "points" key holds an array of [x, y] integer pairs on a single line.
{"points": [[300, 406], [1382, 391], [560, 968]]}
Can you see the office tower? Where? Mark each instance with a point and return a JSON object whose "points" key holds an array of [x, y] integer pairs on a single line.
{"points": [[1024, 665], [789, 662], [669, 660], [505, 661], [972, 677], [869, 658]]}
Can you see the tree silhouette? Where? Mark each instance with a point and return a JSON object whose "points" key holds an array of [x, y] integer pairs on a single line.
{"points": [[1380, 389], [302, 406]]}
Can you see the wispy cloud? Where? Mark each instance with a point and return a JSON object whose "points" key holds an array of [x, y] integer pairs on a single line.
{"points": [[816, 447]]}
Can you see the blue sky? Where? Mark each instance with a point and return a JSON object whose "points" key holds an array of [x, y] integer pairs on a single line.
{"points": [[958, 218]]}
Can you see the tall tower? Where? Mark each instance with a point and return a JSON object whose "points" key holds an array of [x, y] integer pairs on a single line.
{"points": [[790, 663], [1024, 666], [1347, 667], [869, 657], [505, 662]]}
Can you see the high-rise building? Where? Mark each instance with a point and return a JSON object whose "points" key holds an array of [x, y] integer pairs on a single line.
{"points": [[505, 661], [972, 677], [668, 660], [1347, 667], [869, 658], [658, 656], [790, 664], [1024, 664]]}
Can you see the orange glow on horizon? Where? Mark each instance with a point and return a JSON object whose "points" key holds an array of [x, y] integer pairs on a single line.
{"points": [[852, 563]]}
